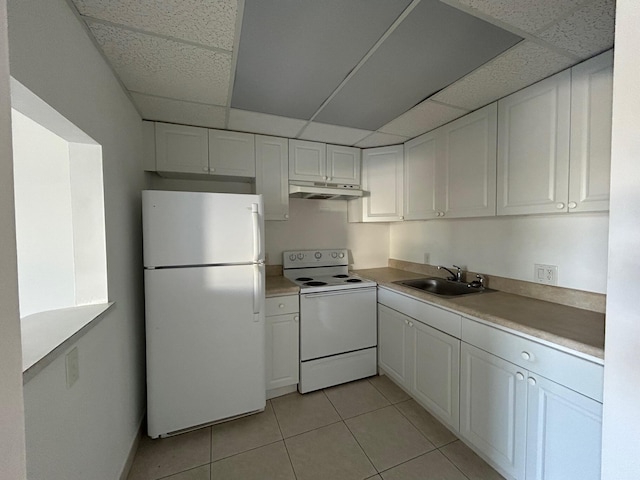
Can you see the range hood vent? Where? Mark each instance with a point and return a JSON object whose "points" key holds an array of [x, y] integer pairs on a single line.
{"points": [[319, 192]]}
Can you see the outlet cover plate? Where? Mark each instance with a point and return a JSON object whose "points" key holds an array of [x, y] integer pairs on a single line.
{"points": [[547, 274]]}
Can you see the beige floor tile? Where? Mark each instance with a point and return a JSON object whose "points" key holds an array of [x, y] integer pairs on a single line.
{"points": [[388, 438], [244, 434], [431, 466], [356, 398], [469, 463], [329, 452], [301, 413], [199, 473], [390, 390], [428, 425], [268, 462], [166, 456]]}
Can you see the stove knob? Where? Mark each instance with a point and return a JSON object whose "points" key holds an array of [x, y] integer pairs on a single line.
{"points": [[301, 256], [334, 254], [292, 257], [318, 255], [341, 255]]}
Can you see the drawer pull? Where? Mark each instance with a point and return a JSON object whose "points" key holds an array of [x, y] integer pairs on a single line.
{"points": [[519, 376], [296, 318], [526, 355], [281, 305], [532, 381]]}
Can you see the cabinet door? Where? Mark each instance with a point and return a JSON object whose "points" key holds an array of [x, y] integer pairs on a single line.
{"points": [[181, 149], [493, 406], [382, 180], [394, 344], [272, 176], [420, 179], [591, 98], [232, 153], [343, 165], [564, 431], [533, 148], [282, 350], [436, 371], [307, 161], [468, 165]]}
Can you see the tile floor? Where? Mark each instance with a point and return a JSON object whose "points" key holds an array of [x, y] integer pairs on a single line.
{"points": [[368, 429]]}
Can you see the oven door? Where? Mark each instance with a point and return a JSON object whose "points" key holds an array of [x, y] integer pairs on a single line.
{"points": [[337, 321]]}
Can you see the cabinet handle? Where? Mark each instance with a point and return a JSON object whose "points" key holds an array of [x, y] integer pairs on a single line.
{"points": [[281, 305], [519, 376], [286, 215], [532, 381], [573, 205], [411, 324], [406, 322], [296, 318], [212, 169], [560, 206], [205, 169], [401, 217], [526, 355], [325, 178]]}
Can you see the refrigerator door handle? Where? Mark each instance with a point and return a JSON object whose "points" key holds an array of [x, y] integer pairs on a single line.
{"points": [[257, 290], [257, 234]]}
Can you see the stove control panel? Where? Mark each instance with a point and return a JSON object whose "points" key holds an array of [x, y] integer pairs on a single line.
{"points": [[315, 258]]}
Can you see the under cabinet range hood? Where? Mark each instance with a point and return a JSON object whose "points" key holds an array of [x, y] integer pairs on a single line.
{"points": [[321, 192]]}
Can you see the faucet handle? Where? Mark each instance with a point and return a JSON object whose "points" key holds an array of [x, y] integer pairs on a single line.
{"points": [[458, 273], [480, 280]]}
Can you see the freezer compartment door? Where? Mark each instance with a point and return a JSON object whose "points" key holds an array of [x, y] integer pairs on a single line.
{"points": [[205, 345], [190, 228]]}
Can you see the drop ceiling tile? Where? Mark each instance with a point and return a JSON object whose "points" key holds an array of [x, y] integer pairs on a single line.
{"points": [[590, 30], [522, 65], [165, 68], [263, 123], [179, 111], [379, 139], [210, 23], [434, 46], [294, 54], [526, 15], [422, 118], [322, 132]]}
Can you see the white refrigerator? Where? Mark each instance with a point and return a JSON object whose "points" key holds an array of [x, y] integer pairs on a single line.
{"points": [[204, 308]]}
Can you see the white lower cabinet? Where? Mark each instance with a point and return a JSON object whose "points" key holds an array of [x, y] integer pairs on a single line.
{"points": [[423, 360], [282, 344]]}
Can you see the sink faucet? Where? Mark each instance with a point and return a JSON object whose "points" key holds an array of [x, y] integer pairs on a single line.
{"points": [[455, 277]]}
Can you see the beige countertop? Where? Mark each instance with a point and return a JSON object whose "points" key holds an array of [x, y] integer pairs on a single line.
{"points": [[573, 328], [278, 285]]}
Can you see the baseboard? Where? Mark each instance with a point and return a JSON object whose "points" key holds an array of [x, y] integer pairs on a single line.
{"points": [[132, 451], [278, 392]]}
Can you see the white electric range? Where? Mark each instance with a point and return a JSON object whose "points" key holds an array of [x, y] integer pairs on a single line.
{"points": [[338, 326]]}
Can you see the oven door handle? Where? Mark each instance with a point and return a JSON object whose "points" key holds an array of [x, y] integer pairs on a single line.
{"points": [[338, 292]]}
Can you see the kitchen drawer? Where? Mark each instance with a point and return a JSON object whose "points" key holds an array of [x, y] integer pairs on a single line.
{"points": [[576, 373], [282, 305], [435, 317]]}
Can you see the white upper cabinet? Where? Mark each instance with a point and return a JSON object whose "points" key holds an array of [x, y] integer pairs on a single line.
{"points": [[533, 148], [231, 153], [319, 162], [272, 176], [343, 165], [591, 97], [307, 161], [451, 171], [467, 165], [182, 149], [420, 178], [382, 181]]}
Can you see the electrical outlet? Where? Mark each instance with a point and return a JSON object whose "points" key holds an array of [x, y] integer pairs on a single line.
{"points": [[73, 367], [426, 259], [547, 274]]}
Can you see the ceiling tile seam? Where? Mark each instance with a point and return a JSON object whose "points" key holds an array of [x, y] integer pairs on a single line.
{"points": [[510, 28], [177, 99], [93, 40], [89, 19], [405, 13], [566, 15], [444, 104], [234, 59]]}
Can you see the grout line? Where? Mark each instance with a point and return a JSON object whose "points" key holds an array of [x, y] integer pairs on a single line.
{"points": [[293, 468], [181, 471], [361, 448]]}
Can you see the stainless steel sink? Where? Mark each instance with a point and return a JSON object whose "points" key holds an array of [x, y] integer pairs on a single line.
{"points": [[442, 287]]}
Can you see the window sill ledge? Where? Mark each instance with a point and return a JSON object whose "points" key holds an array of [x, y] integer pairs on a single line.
{"points": [[46, 335]]}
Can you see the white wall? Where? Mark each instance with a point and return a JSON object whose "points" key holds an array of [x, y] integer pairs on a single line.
{"points": [[12, 441], [621, 432], [510, 246], [323, 224], [52, 55]]}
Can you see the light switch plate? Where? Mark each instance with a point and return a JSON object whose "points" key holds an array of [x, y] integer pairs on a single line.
{"points": [[547, 274], [72, 363]]}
